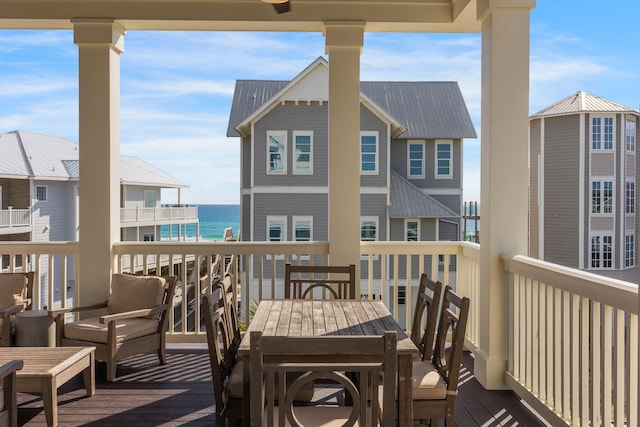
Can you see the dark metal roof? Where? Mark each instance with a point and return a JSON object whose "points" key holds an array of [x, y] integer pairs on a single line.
{"points": [[408, 201], [426, 109]]}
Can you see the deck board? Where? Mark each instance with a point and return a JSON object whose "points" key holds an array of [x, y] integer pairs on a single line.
{"points": [[180, 394]]}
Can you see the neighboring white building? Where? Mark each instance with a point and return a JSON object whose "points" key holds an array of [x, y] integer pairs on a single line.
{"points": [[39, 199]]}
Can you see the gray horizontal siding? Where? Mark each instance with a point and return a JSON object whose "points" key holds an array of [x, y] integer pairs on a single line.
{"points": [[602, 164], [534, 209], [290, 205], [561, 198], [290, 117], [399, 164], [247, 165]]}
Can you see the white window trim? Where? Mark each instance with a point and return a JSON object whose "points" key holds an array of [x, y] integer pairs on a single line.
{"points": [[273, 218], [602, 149], [296, 219], [281, 133], [635, 142], [602, 180], [297, 133], [377, 162], [279, 218], [602, 235], [424, 152], [436, 175], [46, 193], [406, 223], [635, 196], [376, 220], [635, 250]]}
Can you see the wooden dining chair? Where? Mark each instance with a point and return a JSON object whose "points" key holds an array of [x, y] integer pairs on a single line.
{"points": [[311, 281], [230, 313], [427, 308], [435, 382], [373, 360], [226, 374]]}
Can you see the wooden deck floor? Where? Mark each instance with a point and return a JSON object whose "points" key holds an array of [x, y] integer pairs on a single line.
{"points": [[180, 394]]}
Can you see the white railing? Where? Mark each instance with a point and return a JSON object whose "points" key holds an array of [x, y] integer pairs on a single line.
{"points": [[15, 217], [158, 215], [388, 269], [56, 267], [573, 343]]}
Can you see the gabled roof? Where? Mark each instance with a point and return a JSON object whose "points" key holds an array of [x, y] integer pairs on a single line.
{"points": [[408, 201], [582, 102], [30, 155], [414, 109]]}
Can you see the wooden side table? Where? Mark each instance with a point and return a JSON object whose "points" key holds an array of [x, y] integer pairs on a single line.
{"points": [[35, 328]]}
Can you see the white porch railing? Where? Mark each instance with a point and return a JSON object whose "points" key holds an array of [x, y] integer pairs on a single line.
{"points": [[15, 217], [573, 343], [573, 348], [158, 215]]}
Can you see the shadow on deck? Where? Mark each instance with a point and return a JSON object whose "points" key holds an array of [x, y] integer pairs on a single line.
{"points": [[180, 394]]}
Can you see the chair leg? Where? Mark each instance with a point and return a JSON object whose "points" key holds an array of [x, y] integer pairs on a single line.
{"points": [[111, 370], [162, 351]]}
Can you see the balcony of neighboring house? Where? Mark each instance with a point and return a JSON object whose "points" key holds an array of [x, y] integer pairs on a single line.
{"points": [[15, 221], [571, 336], [146, 222]]}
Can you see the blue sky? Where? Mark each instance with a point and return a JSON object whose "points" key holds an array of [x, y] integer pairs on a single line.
{"points": [[177, 86]]}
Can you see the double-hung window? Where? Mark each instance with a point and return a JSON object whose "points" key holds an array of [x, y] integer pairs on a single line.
{"points": [[415, 159], [602, 197], [444, 156], [602, 129], [369, 228], [601, 251], [276, 228], [276, 152], [303, 228], [630, 135], [630, 197], [630, 250], [303, 152], [412, 230], [369, 153], [41, 193]]}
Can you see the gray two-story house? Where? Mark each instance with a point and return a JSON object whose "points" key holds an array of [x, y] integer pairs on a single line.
{"points": [[411, 145], [583, 178]]}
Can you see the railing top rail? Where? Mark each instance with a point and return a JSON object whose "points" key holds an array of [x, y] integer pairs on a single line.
{"points": [[228, 247], [616, 293]]}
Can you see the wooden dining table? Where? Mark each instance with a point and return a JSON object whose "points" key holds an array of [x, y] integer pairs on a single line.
{"points": [[331, 317]]}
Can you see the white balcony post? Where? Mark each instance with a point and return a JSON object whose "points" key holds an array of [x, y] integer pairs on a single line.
{"points": [[504, 172], [343, 44], [100, 43]]}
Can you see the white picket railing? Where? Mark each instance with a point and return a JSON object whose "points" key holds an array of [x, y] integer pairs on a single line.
{"points": [[573, 346], [573, 343]]}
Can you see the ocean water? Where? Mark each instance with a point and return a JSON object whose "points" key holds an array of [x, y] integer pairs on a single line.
{"points": [[213, 220]]}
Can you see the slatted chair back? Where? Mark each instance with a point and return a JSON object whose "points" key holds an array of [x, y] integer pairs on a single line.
{"points": [[311, 281], [222, 359], [453, 322], [426, 309], [334, 358], [231, 317], [436, 382]]}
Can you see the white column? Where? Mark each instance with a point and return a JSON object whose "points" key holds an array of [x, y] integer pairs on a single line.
{"points": [[504, 172], [100, 43], [343, 45]]}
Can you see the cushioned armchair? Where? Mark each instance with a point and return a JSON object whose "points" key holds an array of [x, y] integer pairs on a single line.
{"points": [[16, 290], [135, 321]]}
